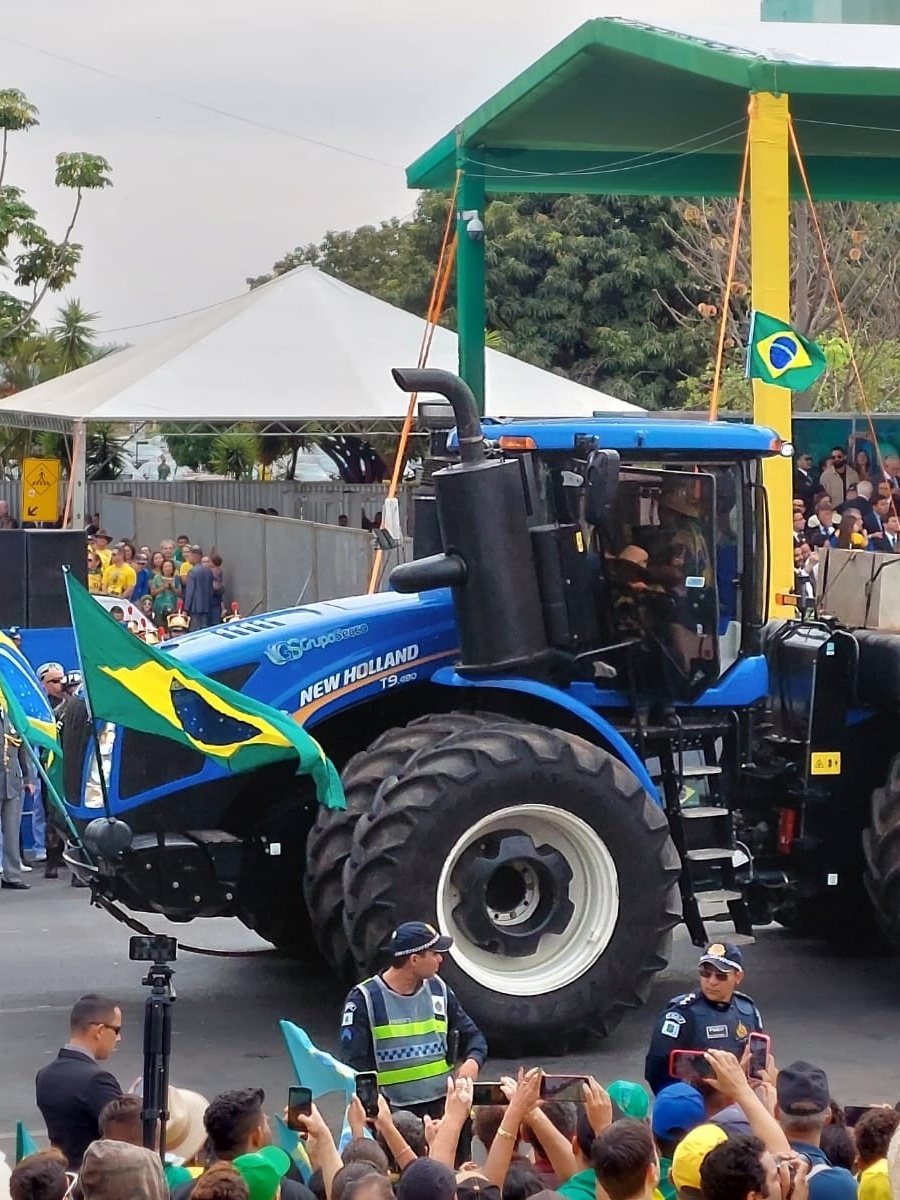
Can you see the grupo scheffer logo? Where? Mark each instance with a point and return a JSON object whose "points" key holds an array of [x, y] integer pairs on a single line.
{"points": [[292, 649]]}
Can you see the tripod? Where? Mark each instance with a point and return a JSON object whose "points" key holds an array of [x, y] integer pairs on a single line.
{"points": [[157, 1049]]}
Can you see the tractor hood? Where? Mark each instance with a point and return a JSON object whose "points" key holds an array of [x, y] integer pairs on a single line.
{"points": [[323, 657]]}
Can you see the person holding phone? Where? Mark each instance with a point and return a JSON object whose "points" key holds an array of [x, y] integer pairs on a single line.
{"points": [[715, 1017], [403, 1024]]}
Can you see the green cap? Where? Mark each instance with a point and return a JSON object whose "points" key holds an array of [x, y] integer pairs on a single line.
{"points": [[630, 1099], [263, 1171]]}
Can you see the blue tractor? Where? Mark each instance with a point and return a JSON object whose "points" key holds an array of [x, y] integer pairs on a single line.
{"points": [[566, 729]]}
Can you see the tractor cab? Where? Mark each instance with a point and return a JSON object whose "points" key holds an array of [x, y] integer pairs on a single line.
{"points": [[642, 536]]}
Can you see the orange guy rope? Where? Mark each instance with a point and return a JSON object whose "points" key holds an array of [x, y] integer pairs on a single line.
{"points": [[443, 271], [729, 282], [845, 328]]}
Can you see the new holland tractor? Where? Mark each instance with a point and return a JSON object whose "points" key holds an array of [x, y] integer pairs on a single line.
{"points": [[566, 728]]}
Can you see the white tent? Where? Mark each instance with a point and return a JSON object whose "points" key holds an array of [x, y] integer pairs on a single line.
{"points": [[303, 348]]}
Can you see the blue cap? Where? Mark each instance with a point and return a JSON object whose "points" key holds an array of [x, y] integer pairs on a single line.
{"points": [[415, 937], [724, 956], [677, 1107]]}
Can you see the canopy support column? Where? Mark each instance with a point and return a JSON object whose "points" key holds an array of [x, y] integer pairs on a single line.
{"points": [[79, 474], [770, 292], [470, 297]]}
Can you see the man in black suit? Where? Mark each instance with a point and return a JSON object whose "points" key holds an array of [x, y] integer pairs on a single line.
{"points": [[73, 1089], [891, 541]]}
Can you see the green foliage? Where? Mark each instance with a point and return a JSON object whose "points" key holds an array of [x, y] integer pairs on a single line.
{"points": [[31, 259], [103, 451], [234, 454]]}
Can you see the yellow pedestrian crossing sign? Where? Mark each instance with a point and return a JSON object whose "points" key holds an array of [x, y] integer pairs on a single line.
{"points": [[40, 489]]}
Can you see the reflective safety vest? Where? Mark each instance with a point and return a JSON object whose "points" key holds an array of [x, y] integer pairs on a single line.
{"points": [[409, 1038]]}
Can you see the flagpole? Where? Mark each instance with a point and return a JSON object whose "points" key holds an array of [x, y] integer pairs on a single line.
{"points": [[95, 737]]}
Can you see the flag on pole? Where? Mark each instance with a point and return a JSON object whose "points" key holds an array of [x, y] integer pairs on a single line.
{"points": [[139, 687], [777, 354], [29, 709]]}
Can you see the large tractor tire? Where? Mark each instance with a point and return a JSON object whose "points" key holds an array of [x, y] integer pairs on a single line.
{"points": [[331, 837], [545, 860], [881, 847]]}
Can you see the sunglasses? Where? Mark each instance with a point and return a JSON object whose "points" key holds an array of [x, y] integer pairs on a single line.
{"points": [[117, 1029], [708, 972], [54, 681]]}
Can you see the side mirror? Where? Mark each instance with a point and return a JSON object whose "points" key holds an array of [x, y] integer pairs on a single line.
{"points": [[602, 485]]}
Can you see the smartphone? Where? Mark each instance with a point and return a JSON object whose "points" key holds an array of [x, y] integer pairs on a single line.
{"points": [[488, 1093], [853, 1112], [563, 1087], [154, 947], [367, 1091], [690, 1064], [759, 1045], [299, 1105]]}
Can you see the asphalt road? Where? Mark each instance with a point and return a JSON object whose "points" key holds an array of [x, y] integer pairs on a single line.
{"points": [[835, 1009]]}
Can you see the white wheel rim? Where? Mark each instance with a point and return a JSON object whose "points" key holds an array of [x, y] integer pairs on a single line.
{"points": [[560, 958]]}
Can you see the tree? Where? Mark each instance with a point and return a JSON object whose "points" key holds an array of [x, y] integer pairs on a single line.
{"points": [[104, 451], [234, 454], [863, 251], [30, 258], [587, 286], [27, 360]]}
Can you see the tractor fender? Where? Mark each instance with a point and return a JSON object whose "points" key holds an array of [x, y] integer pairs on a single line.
{"points": [[605, 733]]}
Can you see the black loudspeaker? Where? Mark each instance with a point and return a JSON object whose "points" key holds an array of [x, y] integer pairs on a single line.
{"points": [[13, 581], [48, 551]]}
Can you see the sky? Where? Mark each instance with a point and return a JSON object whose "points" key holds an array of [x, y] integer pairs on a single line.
{"points": [[204, 198]]}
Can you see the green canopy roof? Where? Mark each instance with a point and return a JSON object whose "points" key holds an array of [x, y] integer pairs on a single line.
{"points": [[621, 107]]}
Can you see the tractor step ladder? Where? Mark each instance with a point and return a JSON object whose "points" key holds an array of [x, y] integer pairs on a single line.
{"points": [[701, 826]]}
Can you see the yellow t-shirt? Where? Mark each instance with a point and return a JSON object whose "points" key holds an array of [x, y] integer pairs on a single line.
{"points": [[874, 1182], [185, 569], [116, 580], [104, 555], [95, 580]]}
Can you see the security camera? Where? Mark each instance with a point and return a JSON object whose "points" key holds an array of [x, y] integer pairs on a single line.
{"points": [[474, 225], [475, 228]]}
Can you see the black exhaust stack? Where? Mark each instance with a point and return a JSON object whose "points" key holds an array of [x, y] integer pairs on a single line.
{"points": [[487, 558]]}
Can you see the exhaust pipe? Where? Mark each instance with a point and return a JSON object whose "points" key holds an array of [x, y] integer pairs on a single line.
{"points": [[452, 388]]}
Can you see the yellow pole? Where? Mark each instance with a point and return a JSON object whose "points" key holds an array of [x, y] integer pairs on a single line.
{"points": [[770, 292]]}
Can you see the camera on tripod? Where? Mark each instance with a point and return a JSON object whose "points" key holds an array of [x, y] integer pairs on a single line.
{"points": [[159, 951]]}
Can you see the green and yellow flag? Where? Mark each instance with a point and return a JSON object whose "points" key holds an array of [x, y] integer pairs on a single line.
{"points": [[139, 687], [29, 709], [777, 354]]}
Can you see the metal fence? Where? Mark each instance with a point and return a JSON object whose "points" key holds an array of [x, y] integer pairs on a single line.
{"points": [[320, 502], [269, 562]]}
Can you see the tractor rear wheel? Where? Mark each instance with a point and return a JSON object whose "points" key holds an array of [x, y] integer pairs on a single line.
{"points": [[331, 837], [881, 847], [545, 860]]}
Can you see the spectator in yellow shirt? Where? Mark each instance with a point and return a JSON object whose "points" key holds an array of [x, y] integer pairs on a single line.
{"points": [[119, 578], [94, 572], [873, 1134], [101, 546]]}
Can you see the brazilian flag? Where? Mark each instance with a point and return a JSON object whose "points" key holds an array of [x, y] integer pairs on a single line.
{"points": [[29, 709], [139, 687], [778, 355]]}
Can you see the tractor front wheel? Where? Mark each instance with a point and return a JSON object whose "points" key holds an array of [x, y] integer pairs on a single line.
{"points": [[544, 859]]}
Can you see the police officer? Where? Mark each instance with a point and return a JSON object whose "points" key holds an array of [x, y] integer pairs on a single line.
{"points": [[717, 1017], [403, 1022]]}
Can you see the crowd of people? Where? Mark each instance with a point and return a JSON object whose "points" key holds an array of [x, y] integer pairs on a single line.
{"points": [[849, 507], [175, 587], [726, 1129]]}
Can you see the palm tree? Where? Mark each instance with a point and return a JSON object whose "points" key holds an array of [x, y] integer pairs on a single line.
{"points": [[73, 339]]}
